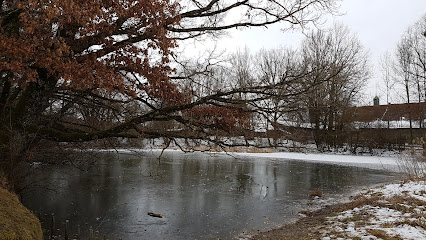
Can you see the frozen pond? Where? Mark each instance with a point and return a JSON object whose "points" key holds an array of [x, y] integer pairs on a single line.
{"points": [[200, 196]]}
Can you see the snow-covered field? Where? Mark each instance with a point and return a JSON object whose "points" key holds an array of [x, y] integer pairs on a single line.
{"points": [[394, 211], [387, 161], [322, 157]]}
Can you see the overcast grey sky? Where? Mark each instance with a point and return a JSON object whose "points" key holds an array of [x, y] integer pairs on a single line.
{"points": [[379, 25]]}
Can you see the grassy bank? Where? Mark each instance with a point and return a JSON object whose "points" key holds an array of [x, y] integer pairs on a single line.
{"points": [[16, 221]]}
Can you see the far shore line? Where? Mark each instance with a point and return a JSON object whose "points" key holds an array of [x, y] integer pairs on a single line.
{"points": [[389, 162]]}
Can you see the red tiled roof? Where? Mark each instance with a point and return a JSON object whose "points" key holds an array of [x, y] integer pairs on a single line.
{"points": [[391, 112]]}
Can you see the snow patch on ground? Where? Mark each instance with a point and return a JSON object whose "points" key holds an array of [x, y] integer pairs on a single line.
{"points": [[413, 189], [404, 218]]}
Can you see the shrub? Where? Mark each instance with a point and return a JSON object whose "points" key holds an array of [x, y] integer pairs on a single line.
{"points": [[414, 163]]}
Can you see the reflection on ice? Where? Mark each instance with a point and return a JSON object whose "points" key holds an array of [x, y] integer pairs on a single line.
{"points": [[199, 196]]}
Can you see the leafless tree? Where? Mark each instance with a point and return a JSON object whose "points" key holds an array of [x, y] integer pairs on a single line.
{"points": [[386, 67], [203, 17], [411, 59], [386, 63], [410, 66], [339, 64], [272, 67], [404, 68]]}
